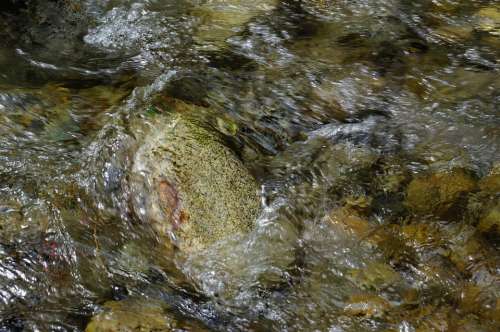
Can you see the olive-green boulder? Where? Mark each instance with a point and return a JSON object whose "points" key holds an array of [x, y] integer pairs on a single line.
{"points": [[196, 190]]}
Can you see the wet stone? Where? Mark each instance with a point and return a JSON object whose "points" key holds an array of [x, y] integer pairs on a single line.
{"points": [[438, 193], [359, 225], [367, 305], [488, 20], [490, 222], [454, 33], [491, 183], [375, 276], [198, 192], [223, 19], [339, 107], [134, 315], [18, 221], [471, 254], [421, 234]]}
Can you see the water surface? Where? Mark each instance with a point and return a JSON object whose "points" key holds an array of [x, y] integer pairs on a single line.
{"points": [[350, 114]]}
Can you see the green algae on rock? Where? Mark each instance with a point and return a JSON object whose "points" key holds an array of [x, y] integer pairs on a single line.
{"points": [[437, 193], [198, 191], [195, 191]]}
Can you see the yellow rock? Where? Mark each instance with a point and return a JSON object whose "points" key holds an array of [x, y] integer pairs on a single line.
{"points": [[221, 19], [421, 234], [367, 305], [491, 220], [350, 220], [376, 275], [125, 316], [137, 316], [470, 253], [454, 33], [359, 226], [488, 20], [443, 6], [436, 193], [198, 191], [360, 203], [491, 182]]}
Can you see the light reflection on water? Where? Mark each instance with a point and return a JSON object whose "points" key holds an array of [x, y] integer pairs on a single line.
{"points": [[340, 109]]}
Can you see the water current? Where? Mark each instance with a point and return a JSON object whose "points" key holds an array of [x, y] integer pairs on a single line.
{"points": [[339, 160]]}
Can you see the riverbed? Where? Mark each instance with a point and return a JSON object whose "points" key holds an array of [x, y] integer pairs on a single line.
{"points": [[370, 128]]}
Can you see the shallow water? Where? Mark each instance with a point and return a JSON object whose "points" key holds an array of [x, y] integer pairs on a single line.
{"points": [[372, 128]]}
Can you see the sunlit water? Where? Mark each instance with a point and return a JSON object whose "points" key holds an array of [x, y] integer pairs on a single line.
{"points": [[336, 107]]}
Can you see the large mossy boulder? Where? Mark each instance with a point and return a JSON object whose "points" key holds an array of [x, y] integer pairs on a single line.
{"points": [[438, 193], [197, 195], [196, 191]]}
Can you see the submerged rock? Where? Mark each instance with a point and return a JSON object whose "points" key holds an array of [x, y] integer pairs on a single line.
{"points": [[454, 33], [488, 20], [55, 112], [438, 193], [484, 205], [221, 19], [367, 305], [490, 222], [198, 196], [20, 220], [120, 317], [374, 276], [196, 190], [491, 183], [137, 315]]}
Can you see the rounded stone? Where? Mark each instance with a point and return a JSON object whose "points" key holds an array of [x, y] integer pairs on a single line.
{"points": [[196, 191]]}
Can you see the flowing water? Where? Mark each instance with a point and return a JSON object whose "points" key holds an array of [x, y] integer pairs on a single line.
{"points": [[371, 127]]}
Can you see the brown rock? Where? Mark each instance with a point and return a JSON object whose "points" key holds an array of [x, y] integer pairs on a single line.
{"points": [[439, 192]]}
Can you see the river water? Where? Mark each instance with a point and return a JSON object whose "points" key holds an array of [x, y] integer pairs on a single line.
{"points": [[371, 127]]}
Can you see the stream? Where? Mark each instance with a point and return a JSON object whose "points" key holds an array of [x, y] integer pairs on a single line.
{"points": [[336, 165]]}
